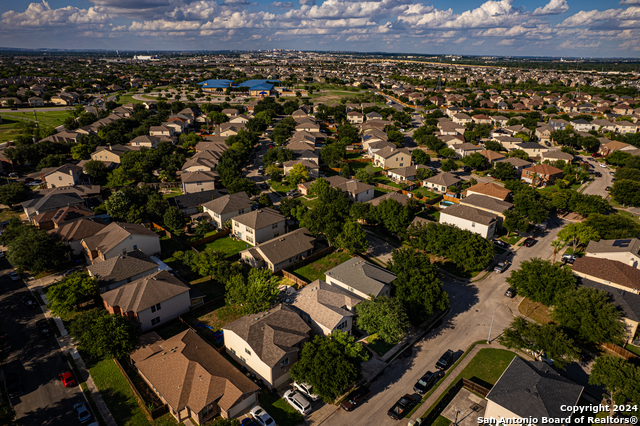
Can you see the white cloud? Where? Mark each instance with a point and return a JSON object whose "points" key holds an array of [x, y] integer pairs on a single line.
{"points": [[585, 17], [42, 15], [629, 2], [285, 5], [506, 42], [572, 44], [554, 7], [478, 43]]}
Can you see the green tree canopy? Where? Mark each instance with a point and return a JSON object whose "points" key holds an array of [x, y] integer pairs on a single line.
{"points": [[254, 295], [352, 239], [541, 281], [32, 249], [102, 334], [96, 169], [174, 219], [13, 193], [384, 316], [67, 294], [621, 378], [503, 171]]}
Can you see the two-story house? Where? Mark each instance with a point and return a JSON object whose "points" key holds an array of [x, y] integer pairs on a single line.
{"points": [[258, 226], [625, 250], [65, 175], [198, 181], [110, 154], [227, 207], [392, 158], [361, 278], [541, 174], [282, 251], [120, 238], [470, 219], [122, 269], [441, 181]]}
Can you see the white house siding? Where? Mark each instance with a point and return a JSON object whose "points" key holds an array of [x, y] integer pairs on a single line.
{"points": [[147, 244], [58, 179], [475, 227], [219, 220], [625, 257], [258, 236], [363, 197], [236, 346], [191, 187], [169, 309]]}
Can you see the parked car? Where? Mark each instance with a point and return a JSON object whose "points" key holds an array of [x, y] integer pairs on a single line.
{"points": [[612, 173], [29, 301], [529, 242], [466, 169], [445, 360], [67, 378], [402, 407], [425, 382], [500, 243], [248, 422], [14, 276], [510, 293], [568, 258], [306, 390], [262, 417], [596, 155], [14, 384], [293, 193], [82, 411], [44, 327], [355, 398], [500, 267], [260, 169], [598, 174], [607, 188], [604, 166], [297, 401]]}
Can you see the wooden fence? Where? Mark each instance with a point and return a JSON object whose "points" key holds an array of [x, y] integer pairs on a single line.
{"points": [[473, 386], [618, 350], [298, 281], [317, 255], [210, 238], [387, 187], [455, 200], [151, 414], [359, 160]]}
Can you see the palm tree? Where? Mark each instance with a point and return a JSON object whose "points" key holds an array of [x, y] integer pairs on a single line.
{"points": [[557, 245]]}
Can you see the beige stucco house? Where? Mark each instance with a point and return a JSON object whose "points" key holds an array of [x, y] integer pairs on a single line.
{"points": [[258, 226]]}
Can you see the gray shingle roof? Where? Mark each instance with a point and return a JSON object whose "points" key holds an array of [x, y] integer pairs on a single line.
{"points": [[198, 176], [194, 199], [362, 275], [115, 233], [229, 203], [79, 229], [258, 219], [485, 202], [54, 201], [285, 246], [446, 179], [324, 303], [470, 213], [402, 199], [121, 267], [628, 245], [534, 389]]}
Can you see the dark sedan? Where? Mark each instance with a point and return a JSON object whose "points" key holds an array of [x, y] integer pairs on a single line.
{"points": [[29, 302], [402, 407], [425, 382], [529, 242], [355, 398]]}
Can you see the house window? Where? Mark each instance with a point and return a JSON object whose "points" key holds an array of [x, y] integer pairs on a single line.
{"points": [[156, 307], [124, 251], [155, 321], [59, 177], [242, 359], [473, 224], [135, 247], [250, 239], [247, 351], [233, 351], [274, 226], [400, 164], [285, 362], [199, 183], [249, 230], [342, 325]]}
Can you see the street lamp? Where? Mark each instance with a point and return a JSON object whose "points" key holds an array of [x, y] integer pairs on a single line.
{"points": [[492, 318]]}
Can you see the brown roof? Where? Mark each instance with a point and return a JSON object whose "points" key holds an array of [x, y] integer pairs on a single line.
{"points": [[469, 213], [258, 219], [229, 203], [491, 155], [79, 229], [285, 246], [402, 199], [65, 214], [609, 270], [199, 176], [325, 303], [388, 152], [543, 169], [187, 371], [115, 233], [490, 190]]}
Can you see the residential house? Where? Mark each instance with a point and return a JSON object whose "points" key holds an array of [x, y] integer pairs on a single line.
{"points": [[258, 226], [72, 233], [527, 390], [161, 131], [355, 117], [198, 181], [110, 154], [487, 204], [470, 219], [268, 343], [543, 133], [123, 269], [312, 167], [624, 127], [491, 156], [228, 129], [227, 207], [56, 218], [65, 175], [188, 203], [325, 307], [557, 155], [240, 119], [399, 198], [120, 238], [392, 158], [35, 101], [405, 173], [373, 116], [150, 301], [195, 381], [230, 112], [465, 149], [518, 163], [461, 118], [282, 251], [481, 119], [145, 141], [362, 278], [625, 250], [51, 202], [373, 147], [604, 125], [558, 123], [532, 149], [581, 125], [441, 182], [356, 190], [542, 174], [499, 120], [612, 146], [489, 189]]}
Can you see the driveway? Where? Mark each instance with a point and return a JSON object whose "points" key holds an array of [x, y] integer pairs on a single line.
{"points": [[379, 248]]}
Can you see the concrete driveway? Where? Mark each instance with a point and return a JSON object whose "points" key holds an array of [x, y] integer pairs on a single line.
{"points": [[379, 248]]}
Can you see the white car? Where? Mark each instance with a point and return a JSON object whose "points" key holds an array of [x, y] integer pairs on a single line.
{"points": [[604, 166], [305, 389], [262, 417], [14, 276], [298, 401]]}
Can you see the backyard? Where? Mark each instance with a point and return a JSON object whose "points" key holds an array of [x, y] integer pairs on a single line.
{"points": [[281, 187], [424, 193], [316, 270], [487, 366], [227, 245], [534, 310], [377, 345]]}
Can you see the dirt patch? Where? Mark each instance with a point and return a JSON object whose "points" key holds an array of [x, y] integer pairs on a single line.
{"points": [[221, 317], [535, 310]]}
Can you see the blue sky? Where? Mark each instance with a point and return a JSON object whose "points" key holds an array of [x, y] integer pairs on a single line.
{"points": [[571, 28]]}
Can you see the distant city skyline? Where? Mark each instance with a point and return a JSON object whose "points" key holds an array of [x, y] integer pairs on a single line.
{"points": [[550, 28]]}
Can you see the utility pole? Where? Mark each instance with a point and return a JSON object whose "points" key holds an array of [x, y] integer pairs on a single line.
{"points": [[491, 327]]}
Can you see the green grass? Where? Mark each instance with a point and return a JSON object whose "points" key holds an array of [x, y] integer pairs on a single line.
{"points": [[283, 413], [352, 156], [430, 215], [362, 165], [625, 214], [119, 397], [211, 288], [424, 193], [174, 193], [281, 187], [48, 118], [220, 317], [487, 366], [554, 188], [377, 345], [8, 130], [226, 245], [377, 192], [441, 421], [128, 99], [309, 203], [633, 349], [534, 310], [316, 270], [386, 181]]}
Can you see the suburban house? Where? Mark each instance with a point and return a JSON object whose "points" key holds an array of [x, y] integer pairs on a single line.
{"points": [[490, 189], [405, 173], [532, 149], [465, 149], [471, 219], [531, 390], [610, 272], [355, 117], [282, 251], [392, 195], [122, 269], [56, 218], [54, 201], [557, 155], [543, 133], [491, 156], [198, 181], [258, 226], [441, 182], [361, 278], [192, 377], [487, 204], [119, 238], [312, 167], [325, 307], [392, 158], [541, 174], [375, 146], [356, 190], [626, 250], [227, 207], [151, 300], [65, 175], [161, 131], [267, 343], [516, 162], [145, 141], [72, 233], [109, 154], [612, 146], [188, 203]]}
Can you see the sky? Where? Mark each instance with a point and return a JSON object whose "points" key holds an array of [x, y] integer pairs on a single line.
{"points": [[570, 28]]}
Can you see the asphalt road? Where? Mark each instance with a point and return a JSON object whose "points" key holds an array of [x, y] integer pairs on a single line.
{"points": [[39, 360], [597, 187], [252, 169], [472, 308]]}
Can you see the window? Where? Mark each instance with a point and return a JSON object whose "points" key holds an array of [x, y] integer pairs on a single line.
{"points": [[285, 362], [233, 351], [342, 325], [274, 226], [135, 247], [242, 359], [400, 164], [350, 288], [199, 183], [59, 177], [247, 351], [156, 307], [473, 224], [155, 321], [124, 251], [249, 230]]}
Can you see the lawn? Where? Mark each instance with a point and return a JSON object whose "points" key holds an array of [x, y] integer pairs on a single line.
{"points": [[430, 215], [377, 192], [281, 187], [316, 270], [119, 397], [633, 349], [174, 192], [283, 413], [210, 287], [385, 181], [47, 118], [377, 345], [441, 421], [309, 203], [424, 193], [536, 311], [352, 156], [554, 188], [8, 130], [363, 165], [226, 245], [128, 99], [221, 317], [487, 366], [6, 214], [627, 214]]}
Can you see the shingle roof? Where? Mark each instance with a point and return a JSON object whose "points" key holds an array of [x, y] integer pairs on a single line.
{"points": [[187, 371], [408, 171], [64, 214], [388, 152], [469, 213], [402, 199], [516, 162], [65, 168], [362, 275], [491, 155], [121, 267], [485, 202], [308, 164], [271, 334], [534, 389], [628, 245], [194, 199], [258, 219], [446, 179], [543, 169], [490, 189], [229, 203], [198, 176], [54, 201], [609, 270], [115, 233], [628, 302], [145, 292], [324, 303], [79, 229], [557, 155], [286, 246]]}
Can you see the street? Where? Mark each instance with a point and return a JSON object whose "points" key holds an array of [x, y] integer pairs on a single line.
{"points": [[597, 187], [472, 308], [38, 360]]}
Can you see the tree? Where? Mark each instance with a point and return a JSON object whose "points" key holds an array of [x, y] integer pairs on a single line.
{"points": [[330, 364], [13, 193], [34, 250], [578, 233], [627, 192], [515, 221], [447, 152], [392, 215], [332, 154], [174, 219], [265, 200], [81, 151], [612, 227], [424, 173], [547, 339], [503, 171], [352, 239], [420, 157], [541, 281], [621, 378], [298, 173], [289, 205], [449, 165], [7, 414], [494, 146], [590, 314], [214, 263], [364, 176], [96, 169], [100, 334], [476, 161], [256, 294], [384, 316], [67, 294]]}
